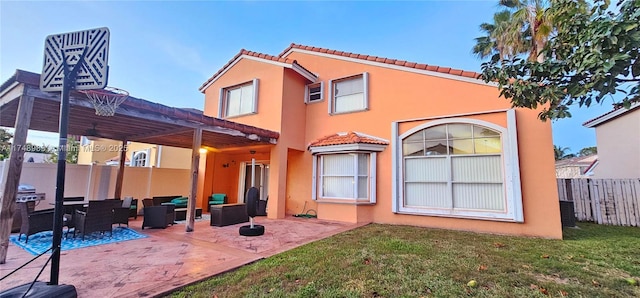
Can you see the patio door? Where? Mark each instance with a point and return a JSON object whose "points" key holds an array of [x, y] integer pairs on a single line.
{"points": [[261, 180]]}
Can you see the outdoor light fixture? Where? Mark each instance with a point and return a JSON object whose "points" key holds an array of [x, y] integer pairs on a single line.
{"points": [[203, 150]]}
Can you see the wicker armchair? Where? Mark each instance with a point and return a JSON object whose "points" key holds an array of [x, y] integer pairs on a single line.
{"points": [[158, 216], [121, 213], [97, 218], [35, 222]]}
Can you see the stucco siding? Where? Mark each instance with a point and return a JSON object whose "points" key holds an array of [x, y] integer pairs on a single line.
{"points": [[619, 147]]}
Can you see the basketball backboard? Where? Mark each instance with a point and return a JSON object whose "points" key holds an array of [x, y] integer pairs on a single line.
{"points": [[69, 47]]}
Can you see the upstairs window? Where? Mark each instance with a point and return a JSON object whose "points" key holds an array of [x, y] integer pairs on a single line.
{"points": [[140, 159], [314, 92], [239, 100], [349, 94]]}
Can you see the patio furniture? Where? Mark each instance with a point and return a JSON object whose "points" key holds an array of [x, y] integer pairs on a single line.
{"points": [[17, 215], [158, 216], [146, 202], [158, 200], [181, 213], [71, 204], [216, 199], [228, 214], [35, 222], [262, 207], [252, 197], [133, 209], [121, 214], [97, 218]]}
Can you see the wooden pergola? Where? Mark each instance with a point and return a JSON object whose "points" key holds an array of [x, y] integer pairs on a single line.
{"points": [[24, 106]]}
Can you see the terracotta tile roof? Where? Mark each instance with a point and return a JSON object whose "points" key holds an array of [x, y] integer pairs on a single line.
{"points": [[435, 68], [253, 54], [347, 138]]}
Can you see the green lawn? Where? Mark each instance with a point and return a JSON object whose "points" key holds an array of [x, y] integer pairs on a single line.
{"points": [[401, 261]]}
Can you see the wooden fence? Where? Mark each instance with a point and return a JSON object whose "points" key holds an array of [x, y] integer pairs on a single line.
{"points": [[604, 201]]}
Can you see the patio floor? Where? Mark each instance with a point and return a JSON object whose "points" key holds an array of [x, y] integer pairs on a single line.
{"points": [[169, 258]]}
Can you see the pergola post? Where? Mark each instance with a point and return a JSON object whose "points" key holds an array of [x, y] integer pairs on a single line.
{"points": [[12, 171], [195, 164], [120, 177]]}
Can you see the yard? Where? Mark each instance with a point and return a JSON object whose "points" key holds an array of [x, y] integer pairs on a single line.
{"points": [[401, 261]]}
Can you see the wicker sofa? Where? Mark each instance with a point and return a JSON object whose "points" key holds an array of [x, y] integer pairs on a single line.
{"points": [[159, 200]]}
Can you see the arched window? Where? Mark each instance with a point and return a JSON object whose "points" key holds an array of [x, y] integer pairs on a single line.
{"points": [[139, 159], [454, 166], [458, 168]]}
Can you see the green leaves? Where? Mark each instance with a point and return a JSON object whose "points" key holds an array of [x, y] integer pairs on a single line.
{"points": [[592, 55]]}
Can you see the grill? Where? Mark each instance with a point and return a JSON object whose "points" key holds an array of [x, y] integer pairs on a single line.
{"points": [[27, 193]]}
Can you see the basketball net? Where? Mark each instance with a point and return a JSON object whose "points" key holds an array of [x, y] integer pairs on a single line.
{"points": [[106, 100]]}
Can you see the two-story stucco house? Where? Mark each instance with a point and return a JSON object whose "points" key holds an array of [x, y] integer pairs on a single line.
{"points": [[371, 139], [618, 142]]}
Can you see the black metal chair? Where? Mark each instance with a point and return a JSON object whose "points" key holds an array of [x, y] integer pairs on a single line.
{"points": [[97, 218], [35, 222]]}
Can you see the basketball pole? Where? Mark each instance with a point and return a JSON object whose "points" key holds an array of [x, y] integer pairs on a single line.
{"points": [[253, 177], [68, 84]]}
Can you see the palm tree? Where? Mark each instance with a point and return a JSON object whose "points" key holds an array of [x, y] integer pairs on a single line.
{"points": [[523, 27], [501, 38], [562, 152], [533, 17], [586, 151]]}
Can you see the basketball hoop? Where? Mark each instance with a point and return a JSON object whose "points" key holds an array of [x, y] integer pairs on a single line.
{"points": [[106, 100]]}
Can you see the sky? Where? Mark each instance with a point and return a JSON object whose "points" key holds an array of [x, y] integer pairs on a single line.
{"points": [[162, 51]]}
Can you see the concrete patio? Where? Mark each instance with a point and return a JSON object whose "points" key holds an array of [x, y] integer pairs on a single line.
{"points": [[169, 258]]}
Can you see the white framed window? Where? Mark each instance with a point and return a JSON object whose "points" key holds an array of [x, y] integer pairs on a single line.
{"points": [[140, 159], [314, 92], [344, 176], [459, 168], [349, 94], [348, 177], [238, 100]]}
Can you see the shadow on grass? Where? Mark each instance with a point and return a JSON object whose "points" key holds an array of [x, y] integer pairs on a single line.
{"points": [[592, 231]]}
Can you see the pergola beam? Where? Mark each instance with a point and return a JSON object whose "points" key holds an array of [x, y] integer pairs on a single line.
{"points": [[163, 133], [120, 177], [13, 170], [195, 164]]}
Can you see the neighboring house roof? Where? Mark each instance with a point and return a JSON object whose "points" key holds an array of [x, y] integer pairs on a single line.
{"points": [[589, 170], [280, 61], [344, 138], [382, 61], [577, 161], [606, 117], [585, 163]]}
